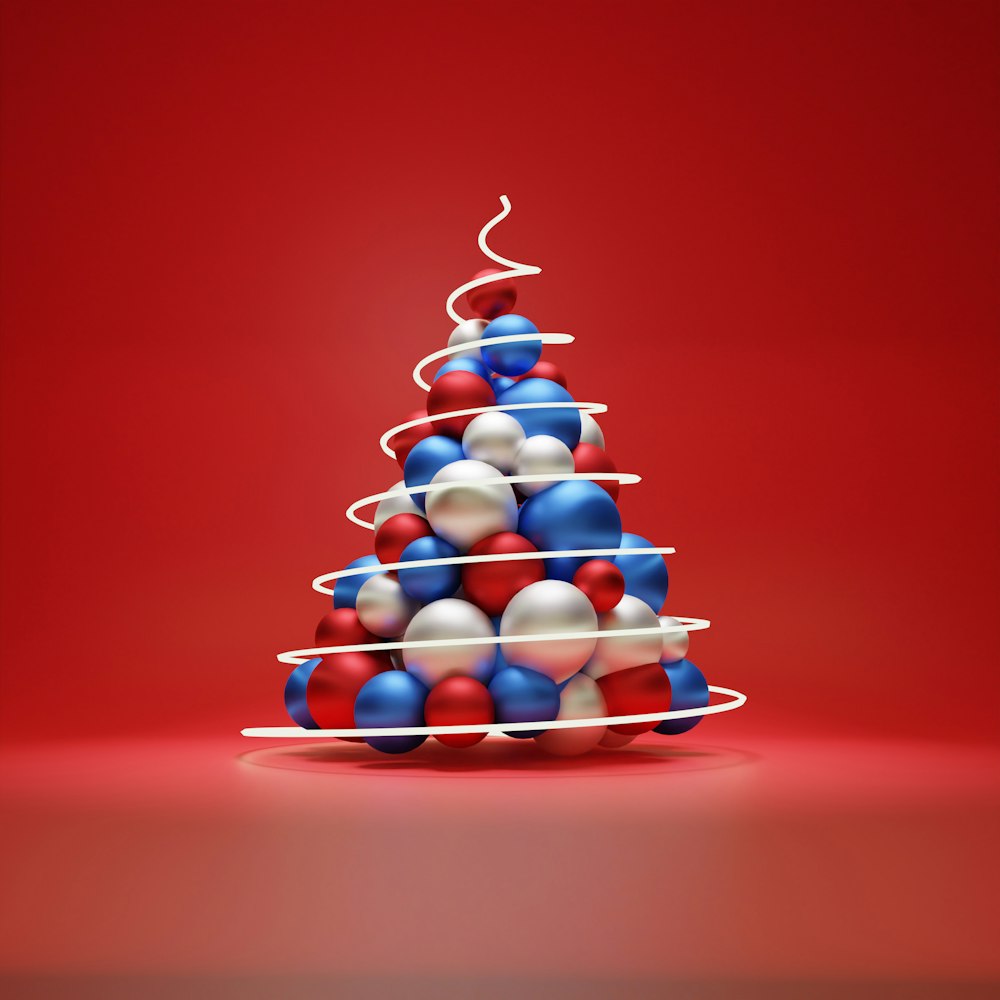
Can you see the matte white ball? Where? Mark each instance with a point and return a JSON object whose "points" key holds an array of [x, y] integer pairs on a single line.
{"points": [[619, 653], [541, 454], [493, 438], [450, 618], [471, 329], [590, 430], [471, 509], [675, 644], [384, 608], [581, 698], [543, 608], [402, 504]]}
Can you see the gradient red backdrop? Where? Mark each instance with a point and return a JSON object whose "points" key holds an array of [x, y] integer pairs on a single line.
{"points": [[228, 233]]}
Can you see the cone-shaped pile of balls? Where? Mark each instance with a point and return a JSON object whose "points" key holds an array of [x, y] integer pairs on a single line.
{"points": [[474, 485]]}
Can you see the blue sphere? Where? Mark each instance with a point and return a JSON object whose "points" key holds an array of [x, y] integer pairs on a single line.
{"points": [[426, 459], [688, 689], [295, 693], [499, 663], [645, 575], [522, 695], [511, 359], [576, 514], [464, 365], [556, 422], [392, 698], [345, 591], [429, 583], [501, 383]]}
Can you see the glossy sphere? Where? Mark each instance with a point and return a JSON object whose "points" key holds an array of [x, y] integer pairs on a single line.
{"points": [[424, 462], [544, 608], [621, 652], [602, 582], [590, 458], [470, 330], [514, 358], [688, 689], [345, 591], [403, 442], [494, 299], [402, 504], [458, 391], [541, 455], [580, 698], [590, 431], [464, 365], [645, 575], [493, 438], [491, 585], [450, 618], [396, 533], [636, 691], [563, 423], [546, 369], [473, 506], [521, 695], [384, 608], [612, 741], [501, 383], [429, 583], [675, 644], [393, 698], [342, 627], [459, 701]]}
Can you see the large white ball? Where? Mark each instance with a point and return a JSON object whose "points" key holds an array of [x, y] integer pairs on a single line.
{"points": [[450, 618], [619, 653], [590, 430], [384, 608], [541, 454], [402, 504], [469, 510], [493, 438], [547, 607], [471, 329], [675, 644], [581, 698]]}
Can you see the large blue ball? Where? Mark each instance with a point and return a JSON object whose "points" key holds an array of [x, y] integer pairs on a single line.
{"points": [[426, 459], [345, 591], [429, 583], [522, 695], [511, 359], [645, 575], [392, 698], [688, 689], [464, 365], [501, 383], [556, 422], [576, 514], [295, 693]]}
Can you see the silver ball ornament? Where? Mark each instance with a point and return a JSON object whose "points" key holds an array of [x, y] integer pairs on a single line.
{"points": [[590, 430], [471, 509], [450, 618], [541, 454], [621, 652], [543, 608], [402, 504], [384, 608], [581, 698], [675, 644], [493, 438], [470, 330]]}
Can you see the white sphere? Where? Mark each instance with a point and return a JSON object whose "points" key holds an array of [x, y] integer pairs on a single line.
{"points": [[611, 653], [543, 608], [450, 618], [581, 698], [590, 430], [538, 455], [471, 329], [470, 510], [675, 644], [383, 607], [493, 438], [402, 504]]}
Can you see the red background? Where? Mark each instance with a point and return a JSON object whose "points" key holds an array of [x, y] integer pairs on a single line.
{"points": [[228, 233]]}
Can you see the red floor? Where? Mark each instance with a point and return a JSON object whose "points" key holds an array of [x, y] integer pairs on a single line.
{"points": [[689, 868]]}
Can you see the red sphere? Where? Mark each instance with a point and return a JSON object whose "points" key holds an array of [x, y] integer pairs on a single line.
{"points": [[342, 627], [396, 533], [403, 442], [545, 369], [458, 390], [590, 458], [335, 683], [459, 701], [491, 585], [494, 299], [636, 691], [602, 582]]}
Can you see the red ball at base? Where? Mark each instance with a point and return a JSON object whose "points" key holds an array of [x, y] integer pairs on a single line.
{"points": [[459, 701]]}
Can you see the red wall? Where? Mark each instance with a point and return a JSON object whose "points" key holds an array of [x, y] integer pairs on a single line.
{"points": [[228, 233]]}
